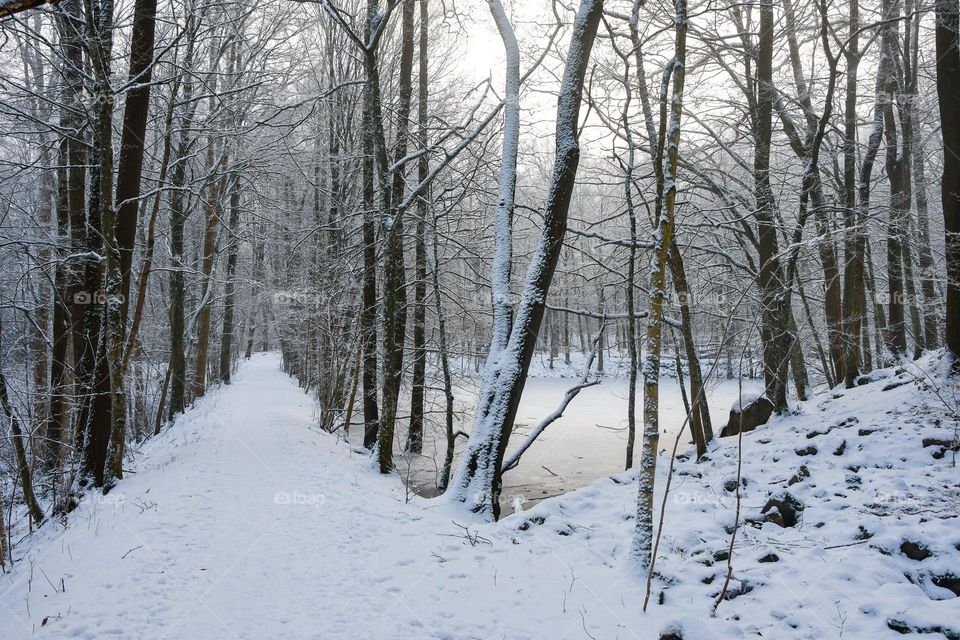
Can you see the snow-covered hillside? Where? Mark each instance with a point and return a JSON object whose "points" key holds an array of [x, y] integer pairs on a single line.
{"points": [[243, 521]]}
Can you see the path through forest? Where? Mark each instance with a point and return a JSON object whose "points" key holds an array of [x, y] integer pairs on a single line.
{"points": [[243, 521]]}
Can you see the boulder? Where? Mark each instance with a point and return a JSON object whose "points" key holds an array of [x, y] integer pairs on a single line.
{"points": [[747, 415], [783, 510]]}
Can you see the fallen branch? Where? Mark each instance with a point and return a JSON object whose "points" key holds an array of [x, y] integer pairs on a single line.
{"points": [[571, 393], [130, 551]]}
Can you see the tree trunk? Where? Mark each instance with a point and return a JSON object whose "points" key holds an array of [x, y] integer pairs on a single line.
{"points": [[931, 320], [58, 425], [854, 217], [106, 422], [178, 220], [394, 270], [948, 93], [23, 467], [832, 303], [700, 424], [774, 333], [503, 217], [895, 161], [368, 317], [212, 215], [135, 112], [478, 478], [226, 336], [415, 437], [451, 437], [663, 238]]}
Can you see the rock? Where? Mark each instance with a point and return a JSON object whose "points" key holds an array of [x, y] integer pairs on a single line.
{"points": [[730, 484], [942, 445], [770, 557], [734, 592], [839, 450], [936, 442], [802, 474], [807, 451], [747, 417], [901, 626], [914, 550], [783, 510], [896, 383], [949, 581]]}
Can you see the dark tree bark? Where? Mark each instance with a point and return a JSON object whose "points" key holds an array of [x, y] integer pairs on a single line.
{"points": [[931, 301], [135, 112], [415, 437], [776, 338], [23, 465], [451, 436], [178, 220], [700, 424], [103, 416], [948, 93], [226, 336], [59, 412], [394, 270], [368, 318], [896, 337], [82, 273], [853, 309], [212, 214]]}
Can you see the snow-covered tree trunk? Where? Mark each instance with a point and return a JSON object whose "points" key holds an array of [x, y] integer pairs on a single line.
{"points": [[478, 480], [662, 239], [503, 218]]}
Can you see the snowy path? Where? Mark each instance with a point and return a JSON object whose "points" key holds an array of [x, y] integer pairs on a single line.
{"points": [[243, 522]]}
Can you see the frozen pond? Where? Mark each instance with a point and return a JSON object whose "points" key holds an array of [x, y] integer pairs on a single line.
{"points": [[587, 443]]}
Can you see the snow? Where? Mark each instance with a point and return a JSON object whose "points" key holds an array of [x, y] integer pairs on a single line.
{"points": [[746, 399], [242, 520]]}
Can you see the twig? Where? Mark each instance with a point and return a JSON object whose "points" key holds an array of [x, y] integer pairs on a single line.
{"points": [[131, 551]]}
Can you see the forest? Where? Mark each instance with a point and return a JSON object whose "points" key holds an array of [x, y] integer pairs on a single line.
{"points": [[479, 319]]}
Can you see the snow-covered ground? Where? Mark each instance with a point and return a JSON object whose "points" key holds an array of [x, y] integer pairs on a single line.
{"points": [[243, 521]]}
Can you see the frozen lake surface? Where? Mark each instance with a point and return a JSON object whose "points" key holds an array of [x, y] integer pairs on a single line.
{"points": [[587, 443]]}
